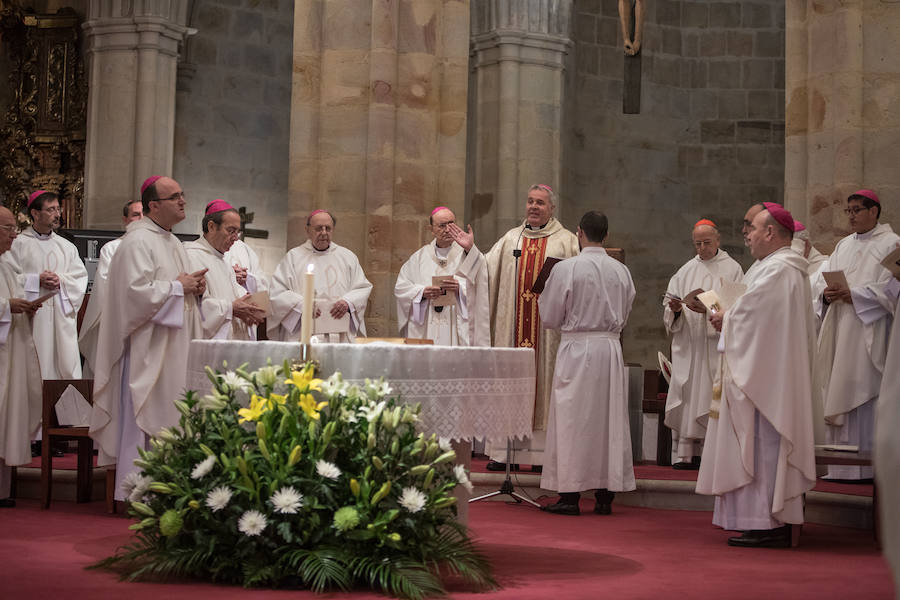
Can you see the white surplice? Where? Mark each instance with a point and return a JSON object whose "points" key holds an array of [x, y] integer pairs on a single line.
{"points": [[503, 279], [853, 342], [765, 419], [418, 319], [55, 327], [695, 360], [90, 324], [242, 255], [588, 297], [143, 344], [815, 258], [222, 290], [20, 392], [338, 275], [887, 450]]}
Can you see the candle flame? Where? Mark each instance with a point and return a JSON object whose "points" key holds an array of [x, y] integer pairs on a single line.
{"points": [[310, 267]]}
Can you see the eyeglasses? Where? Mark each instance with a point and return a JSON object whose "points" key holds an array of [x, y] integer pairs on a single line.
{"points": [[9, 228], [854, 210], [52, 210], [175, 196]]}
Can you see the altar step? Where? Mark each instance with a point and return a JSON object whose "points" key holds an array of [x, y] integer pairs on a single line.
{"points": [[28, 484], [827, 508]]}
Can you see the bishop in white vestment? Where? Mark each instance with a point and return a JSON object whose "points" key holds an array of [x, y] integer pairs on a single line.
{"points": [[90, 324], [695, 360], [853, 337], [340, 283], [226, 312], [20, 393], [452, 253], [514, 263], [588, 297], [148, 322], [51, 265], [759, 455]]}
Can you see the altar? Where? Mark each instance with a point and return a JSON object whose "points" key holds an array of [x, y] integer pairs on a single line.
{"points": [[465, 393]]}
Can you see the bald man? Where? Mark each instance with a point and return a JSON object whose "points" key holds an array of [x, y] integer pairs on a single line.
{"points": [[453, 255], [759, 457], [20, 394], [695, 360]]}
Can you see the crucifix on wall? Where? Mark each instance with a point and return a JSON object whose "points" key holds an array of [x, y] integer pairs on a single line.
{"points": [[247, 218], [631, 18]]}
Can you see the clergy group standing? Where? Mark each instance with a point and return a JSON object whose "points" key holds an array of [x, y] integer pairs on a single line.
{"points": [[855, 323], [20, 394], [695, 361], [149, 319], [588, 298], [452, 254], [514, 263]]}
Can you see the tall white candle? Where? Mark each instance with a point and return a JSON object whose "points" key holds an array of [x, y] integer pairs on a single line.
{"points": [[309, 297]]}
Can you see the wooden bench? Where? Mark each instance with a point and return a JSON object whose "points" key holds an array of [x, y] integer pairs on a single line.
{"points": [[654, 402], [852, 459]]}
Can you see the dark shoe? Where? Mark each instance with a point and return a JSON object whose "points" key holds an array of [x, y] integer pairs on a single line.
{"points": [[562, 508], [493, 465], [537, 468], [57, 453], [780, 537], [686, 466], [604, 500], [35, 449], [7, 503]]}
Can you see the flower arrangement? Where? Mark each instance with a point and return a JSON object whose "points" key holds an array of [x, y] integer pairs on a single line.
{"points": [[279, 478]]}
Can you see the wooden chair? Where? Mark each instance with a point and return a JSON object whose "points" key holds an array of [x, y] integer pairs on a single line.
{"points": [[52, 431], [655, 389]]}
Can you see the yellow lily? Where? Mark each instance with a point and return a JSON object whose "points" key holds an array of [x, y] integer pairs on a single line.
{"points": [[258, 407], [303, 379], [310, 407], [279, 398]]}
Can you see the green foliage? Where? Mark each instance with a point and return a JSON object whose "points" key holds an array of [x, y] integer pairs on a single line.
{"points": [[279, 478]]}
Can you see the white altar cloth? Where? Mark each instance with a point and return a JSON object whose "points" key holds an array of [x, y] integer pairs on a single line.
{"points": [[465, 393]]}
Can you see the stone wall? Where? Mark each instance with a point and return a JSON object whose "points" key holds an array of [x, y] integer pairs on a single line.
{"points": [[232, 120], [709, 140]]}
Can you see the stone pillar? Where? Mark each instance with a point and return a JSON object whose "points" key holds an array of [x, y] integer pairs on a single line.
{"points": [[132, 49], [842, 116], [518, 59], [378, 128]]}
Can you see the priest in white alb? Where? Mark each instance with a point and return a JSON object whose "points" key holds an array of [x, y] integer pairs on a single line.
{"points": [[854, 330], [695, 360], [340, 284], [759, 455], [90, 324], [514, 263], [452, 254], [51, 265], [226, 310], [149, 315], [20, 394], [588, 298]]}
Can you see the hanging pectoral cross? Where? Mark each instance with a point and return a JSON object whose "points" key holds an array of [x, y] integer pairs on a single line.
{"points": [[631, 17], [248, 218]]}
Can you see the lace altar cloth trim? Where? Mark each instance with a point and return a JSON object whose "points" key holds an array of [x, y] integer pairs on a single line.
{"points": [[465, 392]]}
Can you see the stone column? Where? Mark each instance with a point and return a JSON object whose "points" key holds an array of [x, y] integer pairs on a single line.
{"points": [[518, 59], [132, 49], [842, 116], [378, 128]]}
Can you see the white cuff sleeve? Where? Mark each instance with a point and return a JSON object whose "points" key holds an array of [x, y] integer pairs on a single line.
{"points": [[291, 322], [867, 306], [171, 314], [419, 308], [32, 286], [65, 305], [251, 285], [5, 324]]}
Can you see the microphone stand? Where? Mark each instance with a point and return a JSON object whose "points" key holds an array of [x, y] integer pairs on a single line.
{"points": [[506, 488]]}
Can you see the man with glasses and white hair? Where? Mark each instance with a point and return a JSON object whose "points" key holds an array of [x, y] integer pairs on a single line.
{"points": [[855, 322], [226, 311], [149, 317]]}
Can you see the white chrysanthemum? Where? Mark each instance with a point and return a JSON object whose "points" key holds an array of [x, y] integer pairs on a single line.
{"points": [[235, 381], [412, 499], [444, 444], [218, 498], [252, 523], [372, 412], [462, 477], [287, 500], [327, 469], [135, 486], [202, 469]]}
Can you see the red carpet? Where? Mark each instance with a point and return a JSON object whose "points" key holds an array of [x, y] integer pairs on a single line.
{"points": [[634, 553]]}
